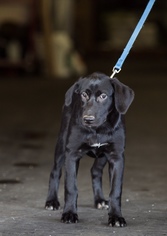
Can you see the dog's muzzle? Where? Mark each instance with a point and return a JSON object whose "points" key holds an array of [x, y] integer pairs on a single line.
{"points": [[88, 119]]}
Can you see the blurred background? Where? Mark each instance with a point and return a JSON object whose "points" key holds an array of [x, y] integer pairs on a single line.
{"points": [[45, 45], [62, 38]]}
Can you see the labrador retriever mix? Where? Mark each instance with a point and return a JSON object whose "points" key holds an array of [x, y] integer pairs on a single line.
{"points": [[93, 125]]}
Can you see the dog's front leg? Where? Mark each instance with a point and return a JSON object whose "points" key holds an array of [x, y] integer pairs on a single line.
{"points": [[116, 168], [71, 193]]}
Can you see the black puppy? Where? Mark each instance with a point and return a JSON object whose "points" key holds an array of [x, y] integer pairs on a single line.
{"points": [[92, 124]]}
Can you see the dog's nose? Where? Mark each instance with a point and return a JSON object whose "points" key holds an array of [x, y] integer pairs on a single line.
{"points": [[88, 118]]}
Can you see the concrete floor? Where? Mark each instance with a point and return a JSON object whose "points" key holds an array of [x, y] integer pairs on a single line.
{"points": [[29, 121]]}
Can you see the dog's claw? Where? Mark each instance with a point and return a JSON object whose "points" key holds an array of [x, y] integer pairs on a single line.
{"points": [[69, 217], [102, 204], [49, 208], [52, 205], [116, 221]]}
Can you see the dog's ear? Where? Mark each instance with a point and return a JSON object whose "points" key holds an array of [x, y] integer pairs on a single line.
{"points": [[123, 96], [69, 94]]}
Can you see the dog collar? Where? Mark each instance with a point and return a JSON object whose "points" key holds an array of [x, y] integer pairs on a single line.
{"points": [[98, 145]]}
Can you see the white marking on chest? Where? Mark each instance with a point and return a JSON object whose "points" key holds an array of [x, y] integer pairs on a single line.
{"points": [[98, 145]]}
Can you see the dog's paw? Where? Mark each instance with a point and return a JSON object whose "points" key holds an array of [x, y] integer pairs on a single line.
{"points": [[52, 205], [101, 204], [69, 217], [116, 221]]}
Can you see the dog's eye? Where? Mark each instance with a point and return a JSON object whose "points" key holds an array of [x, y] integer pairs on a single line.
{"points": [[102, 97], [84, 95]]}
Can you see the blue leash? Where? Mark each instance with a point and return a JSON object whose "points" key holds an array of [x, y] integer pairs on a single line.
{"points": [[118, 65]]}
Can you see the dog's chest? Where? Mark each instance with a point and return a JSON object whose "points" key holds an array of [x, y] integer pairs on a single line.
{"points": [[96, 141], [96, 145]]}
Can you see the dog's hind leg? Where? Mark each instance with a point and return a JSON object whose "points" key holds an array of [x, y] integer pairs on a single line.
{"points": [[52, 201], [96, 173]]}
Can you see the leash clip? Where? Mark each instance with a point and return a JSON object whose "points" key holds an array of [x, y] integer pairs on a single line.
{"points": [[115, 71]]}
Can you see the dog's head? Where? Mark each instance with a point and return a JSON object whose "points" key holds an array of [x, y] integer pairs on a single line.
{"points": [[99, 95]]}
